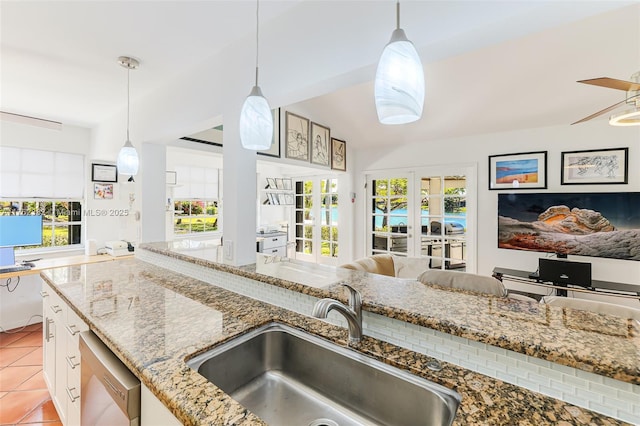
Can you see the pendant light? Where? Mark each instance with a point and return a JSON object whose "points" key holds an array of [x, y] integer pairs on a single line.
{"points": [[256, 121], [128, 160], [399, 84]]}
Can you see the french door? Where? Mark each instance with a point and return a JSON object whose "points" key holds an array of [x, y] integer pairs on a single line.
{"points": [[426, 212], [316, 220]]}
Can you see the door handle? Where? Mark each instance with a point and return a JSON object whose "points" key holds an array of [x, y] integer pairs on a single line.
{"points": [[71, 362], [47, 331], [71, 397]]}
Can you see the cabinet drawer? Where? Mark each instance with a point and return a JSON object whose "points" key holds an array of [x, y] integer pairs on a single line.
{"points": [[276, 251], [271, 242]]}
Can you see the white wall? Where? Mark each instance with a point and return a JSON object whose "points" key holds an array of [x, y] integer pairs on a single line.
{"points": [[596, 134]]}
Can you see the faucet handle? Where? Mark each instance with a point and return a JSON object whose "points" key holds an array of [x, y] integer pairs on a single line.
{"points": [[355, 299]]}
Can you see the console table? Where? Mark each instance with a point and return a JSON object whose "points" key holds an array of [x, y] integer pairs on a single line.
{"points": [[601, 287]]}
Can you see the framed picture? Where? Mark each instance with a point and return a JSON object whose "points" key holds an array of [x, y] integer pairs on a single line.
{"points": [[527, 170], [320, 138], [598, 166], [297, 137], [274, 151], [104, 173], [338, 155], [103, 191]]}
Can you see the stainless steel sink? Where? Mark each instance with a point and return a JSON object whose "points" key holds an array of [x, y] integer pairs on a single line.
{"points": [[289, 377]]}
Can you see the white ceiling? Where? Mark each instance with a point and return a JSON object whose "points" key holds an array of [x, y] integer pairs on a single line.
{"points": [[490, 65]]}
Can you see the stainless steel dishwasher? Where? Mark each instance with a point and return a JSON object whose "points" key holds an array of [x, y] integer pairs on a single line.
{"points": [[109, 392]]}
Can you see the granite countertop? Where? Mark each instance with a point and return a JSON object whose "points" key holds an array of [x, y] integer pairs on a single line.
{"points": [[153, 319], [597, 343]]}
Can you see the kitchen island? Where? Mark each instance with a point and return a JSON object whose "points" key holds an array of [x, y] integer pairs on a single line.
{"points": [[159, 318]]}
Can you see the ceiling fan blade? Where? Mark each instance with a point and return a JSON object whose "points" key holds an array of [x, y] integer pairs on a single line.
{"points": [[604, 111], [612, 83]]}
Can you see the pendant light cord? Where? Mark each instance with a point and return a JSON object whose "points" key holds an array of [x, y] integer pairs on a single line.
{"points": [[398, 14], [257, 38], [128, 72]]}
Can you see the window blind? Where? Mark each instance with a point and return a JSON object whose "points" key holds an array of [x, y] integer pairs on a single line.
{"points": [[32, 173], [196, 183]]}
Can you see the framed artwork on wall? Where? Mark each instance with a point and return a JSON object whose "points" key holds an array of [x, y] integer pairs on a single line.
{"points": [[274, 151], [338, 155], [527, 170], [104, 173], [296, 137], [320, 139], [103, 191], [596, 166]]}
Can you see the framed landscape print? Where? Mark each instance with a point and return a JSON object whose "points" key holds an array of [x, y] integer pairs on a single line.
{"points": [[338, 155], [320, 138], [527, 170], [597, 166], [296, 137], [274, 151]]}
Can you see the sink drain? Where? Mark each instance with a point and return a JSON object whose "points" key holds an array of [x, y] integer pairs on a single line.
{"points": [[323, 422]]}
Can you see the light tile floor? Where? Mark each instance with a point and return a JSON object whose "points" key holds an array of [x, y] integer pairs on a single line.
{"points": [[24, 398]]}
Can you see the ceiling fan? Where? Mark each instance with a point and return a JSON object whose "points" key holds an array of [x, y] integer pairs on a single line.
{"points": [[629, 117]]}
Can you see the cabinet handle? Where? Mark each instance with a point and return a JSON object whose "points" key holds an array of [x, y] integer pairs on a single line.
{"points": [[71, 397], [44, 294], [72, 329], [71, 362], [47, 331], [56, 309]]}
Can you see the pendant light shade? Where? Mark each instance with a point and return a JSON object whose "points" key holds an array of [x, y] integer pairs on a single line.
{"points": [[399, 83], [128, 160], [256, 121]]}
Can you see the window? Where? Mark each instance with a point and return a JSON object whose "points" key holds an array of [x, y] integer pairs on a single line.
{"points": [[426, 212], [46, 183], [195, 200], [316, 220], [329, 217], [61, 220], [193, 216]]}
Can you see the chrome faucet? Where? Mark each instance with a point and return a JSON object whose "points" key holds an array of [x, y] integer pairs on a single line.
{"points": [[353, 312]]}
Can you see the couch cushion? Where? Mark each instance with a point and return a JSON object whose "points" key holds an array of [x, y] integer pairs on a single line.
{"points": [[376, 264], [409, 267], [464, 281]]}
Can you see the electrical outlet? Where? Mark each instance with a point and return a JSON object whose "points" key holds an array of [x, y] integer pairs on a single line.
{"points": [[228, 250]]}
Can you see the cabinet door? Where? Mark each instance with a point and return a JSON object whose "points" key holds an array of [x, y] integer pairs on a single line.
{"points": [[48, 339], [58, 309], [73, 327]]}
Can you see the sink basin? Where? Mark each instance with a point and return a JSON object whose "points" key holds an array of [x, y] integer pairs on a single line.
{"points": [[289, 377]]}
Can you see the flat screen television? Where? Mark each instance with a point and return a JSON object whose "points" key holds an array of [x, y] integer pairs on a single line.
{"points": [[20, 230], [605, 224]]}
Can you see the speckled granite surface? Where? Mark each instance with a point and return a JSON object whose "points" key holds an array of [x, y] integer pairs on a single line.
{"points": [[601, 344], [153, 319]]}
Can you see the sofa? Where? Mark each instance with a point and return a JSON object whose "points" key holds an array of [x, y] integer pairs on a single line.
{"points": [[417, 268], [392, 266]]}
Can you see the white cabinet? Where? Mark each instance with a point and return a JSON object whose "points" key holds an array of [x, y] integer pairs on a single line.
{"points": [[273, 244], [61, 356]]}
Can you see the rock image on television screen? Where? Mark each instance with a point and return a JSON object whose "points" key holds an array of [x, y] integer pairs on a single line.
{"points": [[583, 224]]}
